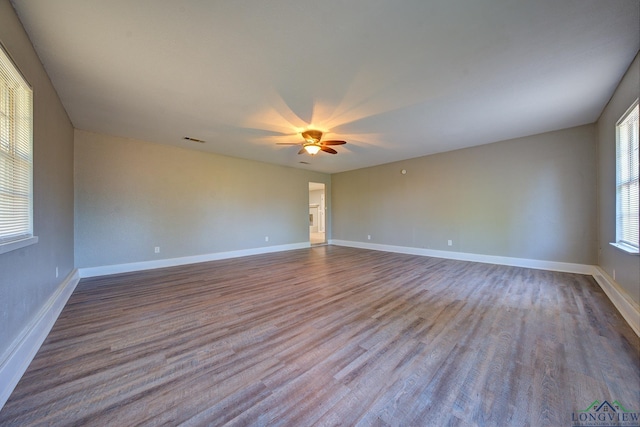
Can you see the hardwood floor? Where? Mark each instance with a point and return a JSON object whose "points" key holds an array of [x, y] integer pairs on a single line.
{"points": [[317, 238], [330, 336]]}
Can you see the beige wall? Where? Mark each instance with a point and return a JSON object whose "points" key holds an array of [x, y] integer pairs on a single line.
{"points": [[530, 197], [134, 195], [627, 267], [27, 276]]}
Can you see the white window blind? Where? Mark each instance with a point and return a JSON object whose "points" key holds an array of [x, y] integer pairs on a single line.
{"points": [[627, 174], [16, 158]]}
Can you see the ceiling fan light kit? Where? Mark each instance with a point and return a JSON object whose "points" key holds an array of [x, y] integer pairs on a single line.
{"points": [[312, 148]]}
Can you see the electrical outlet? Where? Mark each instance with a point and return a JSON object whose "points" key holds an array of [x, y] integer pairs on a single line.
{"points": [[157, 249], [266, 238], [450, 242], [368, 236]]}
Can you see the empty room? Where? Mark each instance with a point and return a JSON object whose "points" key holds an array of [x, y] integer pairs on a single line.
{"points": [[301, 213]]}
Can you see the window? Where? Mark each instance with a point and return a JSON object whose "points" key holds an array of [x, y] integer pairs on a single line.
{"points": [[16, 159], [627, 189]]}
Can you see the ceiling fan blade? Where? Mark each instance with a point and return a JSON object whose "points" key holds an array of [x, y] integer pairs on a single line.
{"points": [[302, 151], [334, 142], [328, 150], [289, 143]]}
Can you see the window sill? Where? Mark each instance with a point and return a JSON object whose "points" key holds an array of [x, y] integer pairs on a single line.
{"points": [[625, 248], [17, 244]]}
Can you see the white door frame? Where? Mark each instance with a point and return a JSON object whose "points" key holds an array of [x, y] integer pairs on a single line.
{"points": [[321, 207]]}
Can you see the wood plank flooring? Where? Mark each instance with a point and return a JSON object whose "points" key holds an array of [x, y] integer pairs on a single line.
{"points": [[330, 336]]}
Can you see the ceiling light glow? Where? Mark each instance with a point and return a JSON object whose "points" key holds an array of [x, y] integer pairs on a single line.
{"points": [[312, 149]]}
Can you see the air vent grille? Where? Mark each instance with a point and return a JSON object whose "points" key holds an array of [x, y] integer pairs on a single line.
{"points": [[188, 138]]}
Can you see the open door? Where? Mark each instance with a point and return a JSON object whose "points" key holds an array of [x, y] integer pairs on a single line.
{"points": [[317, 213]]}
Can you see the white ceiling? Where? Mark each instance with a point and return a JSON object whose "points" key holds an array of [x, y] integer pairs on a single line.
{"points": [[396, 79]]}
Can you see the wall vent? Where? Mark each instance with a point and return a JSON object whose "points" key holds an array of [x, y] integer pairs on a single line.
{"points": [[188, 138]]}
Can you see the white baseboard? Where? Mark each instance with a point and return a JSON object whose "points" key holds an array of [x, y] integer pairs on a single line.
{"points": [[172, 262], [463, 256], [628, 308], [26, 345]]}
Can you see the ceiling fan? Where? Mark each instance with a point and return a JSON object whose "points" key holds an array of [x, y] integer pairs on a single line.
{"points": [[312, 144]]}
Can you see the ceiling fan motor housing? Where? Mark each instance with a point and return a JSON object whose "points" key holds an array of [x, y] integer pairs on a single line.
{"points": [[312, 136]]}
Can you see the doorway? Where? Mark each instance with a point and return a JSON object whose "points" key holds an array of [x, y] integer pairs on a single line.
{"points": [[317, 214]]}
